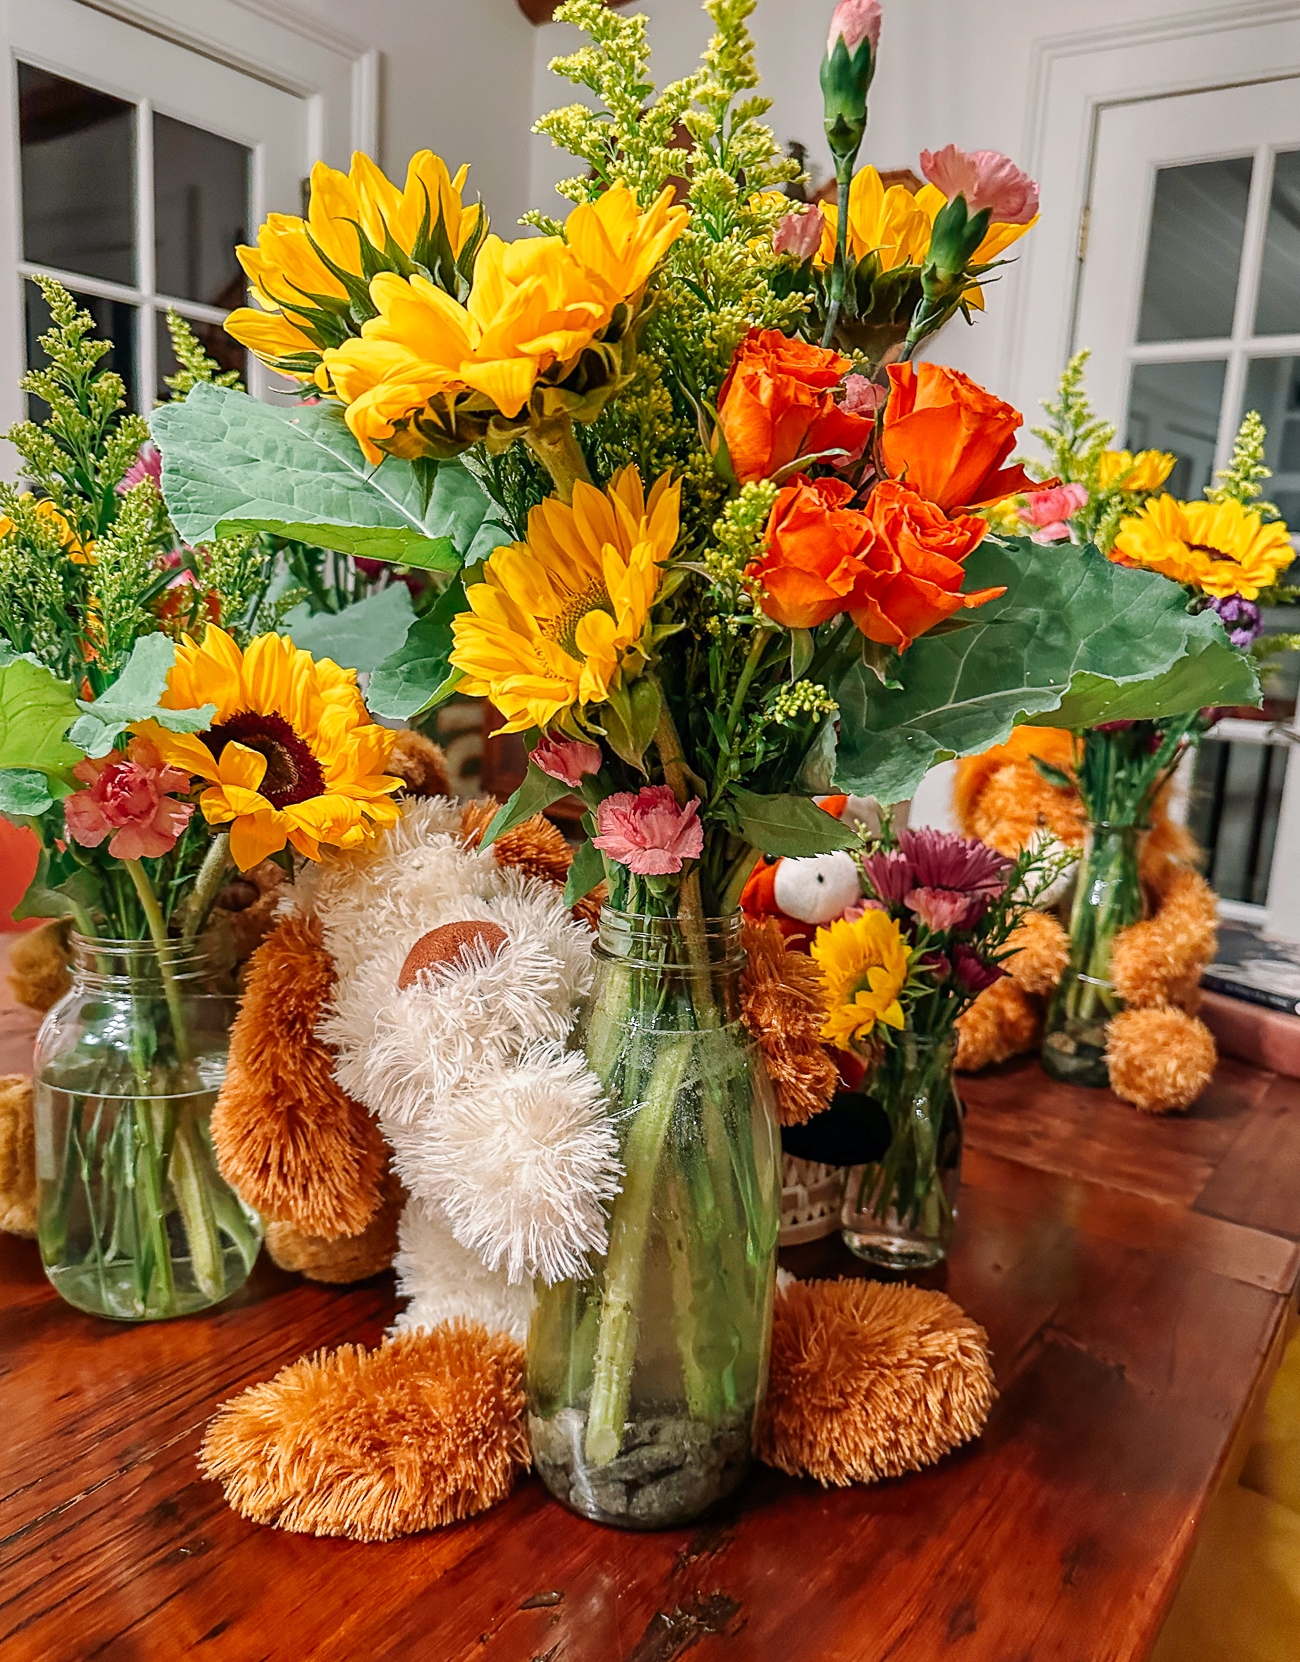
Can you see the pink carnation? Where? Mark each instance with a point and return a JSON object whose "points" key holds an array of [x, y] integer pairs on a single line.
{"points": [[940, 860], [890, 876], [861, 396], [128, 801], [856, 20], [943, 909], [648, 833], [568, 760], [799, 233], [147, 465], [1051, 510], [987, 179]]}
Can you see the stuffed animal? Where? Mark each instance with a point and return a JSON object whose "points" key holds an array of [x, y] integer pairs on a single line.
{"points": [[401, 1042], [1159, 1056]]}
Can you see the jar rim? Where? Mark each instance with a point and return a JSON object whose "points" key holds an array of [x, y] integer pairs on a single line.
{"points": [[645, 940]]}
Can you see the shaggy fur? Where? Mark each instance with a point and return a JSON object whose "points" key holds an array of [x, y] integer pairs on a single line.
{"points": [[441, 1279], [1159, 1060], [425, 1430], [354, 1257], [419, 764], [17, 1156], [285, 1135], [1002, 1022], [1042, 950], [784, 1007], [537, 848], [40, 965], [1161, 959], [870, 1381]]}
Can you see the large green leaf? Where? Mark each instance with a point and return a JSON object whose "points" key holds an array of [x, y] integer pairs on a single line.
{"points": [[134, 697], [1075, 640], [36, 710], [534, 796], [232, 463], [787, 825], [360, 636], [417, 674]]}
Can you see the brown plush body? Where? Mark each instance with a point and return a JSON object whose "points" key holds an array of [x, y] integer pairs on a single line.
{"points": [[17, 1156], [1159, 1056]]}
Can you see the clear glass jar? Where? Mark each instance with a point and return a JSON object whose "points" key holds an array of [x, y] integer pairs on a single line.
{"points": [[646, 1380], [134, 1220], [900, 1210], [1108, 898]]}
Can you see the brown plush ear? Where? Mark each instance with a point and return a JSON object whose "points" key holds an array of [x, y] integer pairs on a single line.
{"points": [[341, 1262], [870, 1381], [537, 848], [783, 1007], [419, 764], [425, 1430], [289, 1140]]}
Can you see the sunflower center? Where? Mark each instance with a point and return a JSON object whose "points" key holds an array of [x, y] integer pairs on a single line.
{"points": [[292, 773], [1209, 548], [562, 627]]}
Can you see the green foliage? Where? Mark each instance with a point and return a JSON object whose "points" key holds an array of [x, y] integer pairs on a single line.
{"points": [[1075, 638], [361, 637], [418, 675], [534, 796], [36, 711], [1243, 478], [134, 697], [195, 364], [123, 572], [787, 825], [231, 463]]}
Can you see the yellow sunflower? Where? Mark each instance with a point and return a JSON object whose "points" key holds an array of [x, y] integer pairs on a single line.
{"points": [[896, 226], [535, 305], [1122, 470], [864, 967], [291, 755], [1220, 548], [564, 615], [307, 274]]}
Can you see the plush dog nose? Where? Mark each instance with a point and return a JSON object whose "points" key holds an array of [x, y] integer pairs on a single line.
{"points": [[445, 944]]}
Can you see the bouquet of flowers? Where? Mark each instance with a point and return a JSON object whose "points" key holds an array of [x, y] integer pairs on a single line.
{"points": [[899, 970], [1225, 551], [148, 767], [732, 553]]}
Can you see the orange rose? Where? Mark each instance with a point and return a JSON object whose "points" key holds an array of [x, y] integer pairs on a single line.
{"points": [[947, 438], [912, 577], [815, 548], [777, 404]]}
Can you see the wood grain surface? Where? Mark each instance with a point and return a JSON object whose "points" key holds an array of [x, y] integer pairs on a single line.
{"points": [[1135, 1277]]}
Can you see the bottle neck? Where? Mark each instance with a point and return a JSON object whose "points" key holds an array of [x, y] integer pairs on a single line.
{"points": [[101, 965]]}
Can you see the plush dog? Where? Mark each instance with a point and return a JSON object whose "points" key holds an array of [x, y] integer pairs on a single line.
{"points": [[1159, 1056]]}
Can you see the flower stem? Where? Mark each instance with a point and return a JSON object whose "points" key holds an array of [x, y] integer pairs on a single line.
{"points": [[207, 886], [557, 449], [839, 271]]}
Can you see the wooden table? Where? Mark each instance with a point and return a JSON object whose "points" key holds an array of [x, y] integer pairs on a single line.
{"points": [[1135, 1277]]}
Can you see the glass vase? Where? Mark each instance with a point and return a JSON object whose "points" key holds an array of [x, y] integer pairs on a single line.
{"points": [[646, 1379], [899, 1210], [134, 1220], [1107, 898]]}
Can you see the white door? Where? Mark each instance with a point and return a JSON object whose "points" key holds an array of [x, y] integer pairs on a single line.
{"points": [[137, 165], [1190, 302]]}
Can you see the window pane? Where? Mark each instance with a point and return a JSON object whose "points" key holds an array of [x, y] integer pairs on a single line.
{"points": [[1278, 309], [1194, 250], [1176, 407], [78, 169], [200, 212], [1233, 812], [1273, 388], [115, 321], [216, 343]]}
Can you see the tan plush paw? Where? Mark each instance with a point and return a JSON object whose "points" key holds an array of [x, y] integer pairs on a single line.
{"points": [[1159, 1060]]}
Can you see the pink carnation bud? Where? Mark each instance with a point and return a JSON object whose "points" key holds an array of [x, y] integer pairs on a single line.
{"points": [[127, 800], [1051, 510], [856, 21], [800, 233], [569, 760], [862, 397], [648, 833], [987, 179]]}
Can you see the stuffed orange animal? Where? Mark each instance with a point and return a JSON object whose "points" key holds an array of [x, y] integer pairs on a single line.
{"points": [[1159, 1056]]}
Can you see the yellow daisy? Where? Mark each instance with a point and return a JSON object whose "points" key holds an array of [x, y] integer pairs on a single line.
{"points": [[1221, 548], [1122, 470], [534, 306], [291, 755], [864, 967], [561, 617]]}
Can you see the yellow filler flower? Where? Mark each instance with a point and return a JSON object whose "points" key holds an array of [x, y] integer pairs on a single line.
{"points": [[563, 617], [1221, 548], [310, 277], [291, 755], [535, 305], [1122, 470], [864, 967]]}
